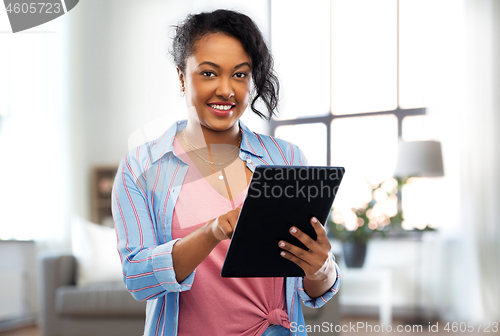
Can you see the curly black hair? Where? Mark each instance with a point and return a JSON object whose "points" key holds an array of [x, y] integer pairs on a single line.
{"points": [[241, 27]]}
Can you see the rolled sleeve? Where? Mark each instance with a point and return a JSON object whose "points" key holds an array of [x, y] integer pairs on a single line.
{"points": [[320, 300], [147, 264], [299, 159], [163, 269]]}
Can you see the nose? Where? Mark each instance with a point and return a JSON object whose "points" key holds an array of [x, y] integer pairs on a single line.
{"points": [[225, 89]]}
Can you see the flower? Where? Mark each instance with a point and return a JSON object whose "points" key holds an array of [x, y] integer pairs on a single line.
{"points": [[359, 224], [381, 216]]}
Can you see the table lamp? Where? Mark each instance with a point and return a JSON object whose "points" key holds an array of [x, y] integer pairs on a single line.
{"points": [[419, 159]]}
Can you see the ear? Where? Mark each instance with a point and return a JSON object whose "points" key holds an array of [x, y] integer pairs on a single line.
{"points": [[180, 74]]}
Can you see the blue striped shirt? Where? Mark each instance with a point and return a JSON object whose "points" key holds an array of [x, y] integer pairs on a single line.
{"points": [[145, 191]]}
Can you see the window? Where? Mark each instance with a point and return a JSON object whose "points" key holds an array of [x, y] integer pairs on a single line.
{"points": [[33, 138], [352, 74]]}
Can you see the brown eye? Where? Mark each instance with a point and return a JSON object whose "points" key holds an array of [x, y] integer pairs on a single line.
{"points": [[240, 75], [208, 74]]}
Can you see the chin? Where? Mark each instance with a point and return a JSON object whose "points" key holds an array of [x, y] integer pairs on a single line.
{"points": [[220, 125]]}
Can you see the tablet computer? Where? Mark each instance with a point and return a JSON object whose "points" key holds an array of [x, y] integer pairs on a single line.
{"points": [[278, 198]]}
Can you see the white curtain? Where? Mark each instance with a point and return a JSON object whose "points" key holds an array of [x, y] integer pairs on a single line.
{"points": [[34, 135], [480, 148], [462, 95]]}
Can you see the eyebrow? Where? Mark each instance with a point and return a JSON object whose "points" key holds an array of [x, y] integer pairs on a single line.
{"points": [[218, 67]]}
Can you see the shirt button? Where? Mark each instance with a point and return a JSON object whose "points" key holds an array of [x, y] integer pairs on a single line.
{"points": [[249, 160]]}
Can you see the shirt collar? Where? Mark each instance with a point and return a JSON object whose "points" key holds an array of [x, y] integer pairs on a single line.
{"points": [[165, 144]]}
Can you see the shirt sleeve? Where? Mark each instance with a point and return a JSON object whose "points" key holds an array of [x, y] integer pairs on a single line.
{"points": [[320, 300], [147, 266], [298, 159]]}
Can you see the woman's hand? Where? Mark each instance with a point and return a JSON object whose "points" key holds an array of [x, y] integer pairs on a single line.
{"points": [[222, 227], [317, 262], [190, 251]]}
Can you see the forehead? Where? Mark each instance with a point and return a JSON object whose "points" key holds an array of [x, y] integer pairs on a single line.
{"points": [[220, 49]]}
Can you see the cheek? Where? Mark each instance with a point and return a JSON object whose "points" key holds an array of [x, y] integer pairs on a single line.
{"points": [[199, 93], [244, 92], [247, 98]]}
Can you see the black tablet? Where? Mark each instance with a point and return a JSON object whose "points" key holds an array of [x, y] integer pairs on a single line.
{"points": [[278, 198]]}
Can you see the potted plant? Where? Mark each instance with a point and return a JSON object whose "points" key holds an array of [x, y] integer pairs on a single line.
{"points": [[370, 219], [354, 242], [381, 216]]}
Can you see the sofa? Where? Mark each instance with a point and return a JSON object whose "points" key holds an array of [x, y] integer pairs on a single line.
{"points": [[107, 308]]}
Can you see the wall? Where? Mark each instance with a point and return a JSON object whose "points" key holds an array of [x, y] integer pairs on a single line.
{"points": [[122, 77], [18, 292]]}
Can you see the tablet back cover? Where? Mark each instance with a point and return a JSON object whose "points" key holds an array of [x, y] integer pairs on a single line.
{"points": [[278, 198]]}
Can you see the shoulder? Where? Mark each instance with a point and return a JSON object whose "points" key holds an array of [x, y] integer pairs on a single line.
{"points": [[281, 150], [138, 159], [154, 143], [144, 157]]}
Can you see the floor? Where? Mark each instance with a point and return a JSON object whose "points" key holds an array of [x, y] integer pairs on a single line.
{"points": [[26, 331], [347, 323], [371, 327]]}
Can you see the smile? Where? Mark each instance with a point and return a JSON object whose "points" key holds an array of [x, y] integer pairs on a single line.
{"points": [[221, 107]]}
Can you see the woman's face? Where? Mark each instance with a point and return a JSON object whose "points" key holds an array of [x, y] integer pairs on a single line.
{"points": [[217, 81]]}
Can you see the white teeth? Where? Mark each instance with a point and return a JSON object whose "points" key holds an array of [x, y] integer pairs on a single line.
{"points": [[221, 107]]}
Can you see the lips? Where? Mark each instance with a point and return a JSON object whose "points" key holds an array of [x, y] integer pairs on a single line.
{"points": [[221, 109]]}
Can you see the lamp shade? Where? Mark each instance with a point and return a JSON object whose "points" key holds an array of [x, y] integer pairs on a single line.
{"points": [[420, 159]]}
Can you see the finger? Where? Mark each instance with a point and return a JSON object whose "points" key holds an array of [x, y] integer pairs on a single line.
{"points": [[227, 228], [313, 264], [318, 227], [322, 238], [233, 214], [219, 232], [304, 238], [301, 263], [296, 251], [232, 217]]}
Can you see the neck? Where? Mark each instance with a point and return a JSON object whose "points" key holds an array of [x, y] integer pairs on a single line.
{"points": [[201, 136]]}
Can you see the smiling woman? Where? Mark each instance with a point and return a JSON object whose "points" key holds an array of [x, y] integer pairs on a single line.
{"points": [[216, 82], [176, 199]]}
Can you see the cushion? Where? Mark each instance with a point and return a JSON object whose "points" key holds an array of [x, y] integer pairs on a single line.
{"points": [[103, 299], [94, 247]]}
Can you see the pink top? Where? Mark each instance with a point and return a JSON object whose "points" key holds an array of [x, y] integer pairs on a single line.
{"points": [[223, 306]]}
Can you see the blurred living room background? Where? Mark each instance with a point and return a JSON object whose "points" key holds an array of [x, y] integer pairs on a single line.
{"points": [[359, 79]]}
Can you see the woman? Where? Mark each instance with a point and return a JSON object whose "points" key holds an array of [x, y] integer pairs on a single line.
{"points": [[176, 199]]}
